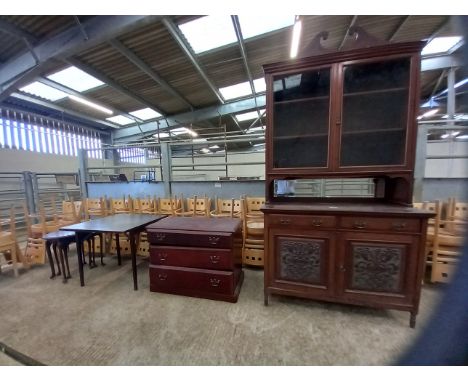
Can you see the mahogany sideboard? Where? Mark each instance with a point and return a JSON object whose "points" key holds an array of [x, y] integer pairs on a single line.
{"points": [[196, 256]]}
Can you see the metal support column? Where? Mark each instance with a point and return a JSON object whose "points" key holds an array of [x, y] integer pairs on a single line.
{"points": [[83, 172], [29, 192], [451, 94], [166, 168], [35, 189], [420, 163]]}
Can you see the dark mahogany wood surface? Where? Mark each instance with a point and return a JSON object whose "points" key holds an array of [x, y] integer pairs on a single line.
{"points": [[346, 209], [196, 224], [115, 223], [57, 235]]}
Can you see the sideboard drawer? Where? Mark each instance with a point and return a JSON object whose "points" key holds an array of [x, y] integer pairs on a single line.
{"points": [[309, 221], [380, 224], [190, 239], [211, 258], [191, 280]]}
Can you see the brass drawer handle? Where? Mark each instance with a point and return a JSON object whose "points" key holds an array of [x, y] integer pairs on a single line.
{"points": [[213, 240], [160, 236], [162, 276], [215, 282], [285, 221], [398, 226], [214, 259], [317, 223], [360, 224], [162, 256]]}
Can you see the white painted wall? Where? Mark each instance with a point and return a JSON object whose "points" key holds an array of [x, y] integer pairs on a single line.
{"points": [[21, 160], [447, 168]]}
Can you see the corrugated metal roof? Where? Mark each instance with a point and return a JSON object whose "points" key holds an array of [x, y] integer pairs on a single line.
{"points": [[224, 66]]}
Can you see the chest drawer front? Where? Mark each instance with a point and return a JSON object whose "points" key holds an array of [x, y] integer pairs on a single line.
{"points": [[178, 279], [191, 257], [311, 221], [364, 223], [190, 239]]}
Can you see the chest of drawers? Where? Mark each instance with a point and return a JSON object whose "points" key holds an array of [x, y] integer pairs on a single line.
{"points": [[196, 256]]}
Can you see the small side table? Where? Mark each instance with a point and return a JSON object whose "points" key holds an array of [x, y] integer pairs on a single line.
{"points": [[60, 240]]}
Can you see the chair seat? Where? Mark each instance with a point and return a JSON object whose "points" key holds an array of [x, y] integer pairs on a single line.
{"points": [[37, 228]]}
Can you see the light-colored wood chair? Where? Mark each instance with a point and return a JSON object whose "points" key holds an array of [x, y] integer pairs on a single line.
{"points": [[145, 206], [168, 206], [34, 252], [457, 217], [253, 244], [446, 247], [95, 208], [196, 206], [72, 213], [227, 208], [121, 206], [253, 206], [8, 243]]}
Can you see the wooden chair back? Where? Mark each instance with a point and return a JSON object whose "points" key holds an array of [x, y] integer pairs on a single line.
{"points": [[168, 206], [121, 206], [95, 207], [227, 207], [8, 241], [196, 206], [144, 206]]}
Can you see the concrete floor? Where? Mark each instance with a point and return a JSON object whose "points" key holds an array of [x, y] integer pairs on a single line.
{"points": [[107, 323]]}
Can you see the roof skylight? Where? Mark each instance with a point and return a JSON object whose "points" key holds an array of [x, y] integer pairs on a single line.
{"points": [[44, 91], [145, 114], [75, 79], [252, 25], [255, 129], [161, 135], [259, 85], [441, 45], [120, 120], [236, 91], [249, 115], [209, 32]]}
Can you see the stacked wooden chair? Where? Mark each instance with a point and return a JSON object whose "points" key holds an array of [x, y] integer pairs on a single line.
{"points": [[8, 243], [168, 206], [253, 248], [227, 208], [196, 206], [121, 206], [145, 206]]}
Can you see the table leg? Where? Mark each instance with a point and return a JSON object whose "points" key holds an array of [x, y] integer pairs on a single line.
{"points": [[60, 248], [101, 248], [54, 247], [51, 260], [134, 266], [79, 250], [65, 251], [117, 244]]}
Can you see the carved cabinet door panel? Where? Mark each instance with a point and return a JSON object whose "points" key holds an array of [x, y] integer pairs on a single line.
{"points": [[377, 268], [301, 260]]}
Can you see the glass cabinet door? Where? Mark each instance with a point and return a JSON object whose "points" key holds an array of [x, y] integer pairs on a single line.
{"points": [[374, 113], [301, 103]]}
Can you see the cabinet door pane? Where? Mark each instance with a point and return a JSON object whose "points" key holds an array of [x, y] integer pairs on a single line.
{"points": [[301, 119], [374, 114]]}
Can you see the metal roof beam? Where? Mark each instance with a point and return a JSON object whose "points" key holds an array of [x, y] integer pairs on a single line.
{"points": [[17, 32], [110, 82], [440, 62], [66, 89], [244, 105], [54, 106], [180, 39], [398, 28], [67, 43], [145, 68]]}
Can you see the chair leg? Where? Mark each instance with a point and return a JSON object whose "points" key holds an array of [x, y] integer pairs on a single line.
{"points": [[65, 251], [62, 262], [101, 248], [14, 260]]}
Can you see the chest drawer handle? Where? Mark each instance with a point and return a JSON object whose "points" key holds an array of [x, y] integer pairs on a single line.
{"points": [[360, 224], [398, 226], [285, 221], [160, 236], [214, 259], [162, 256], [162, 276], [317, 223], [213, 240], [215, 282]]}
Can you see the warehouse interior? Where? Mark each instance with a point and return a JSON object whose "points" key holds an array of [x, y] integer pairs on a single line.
{"points": [[141, 108]]}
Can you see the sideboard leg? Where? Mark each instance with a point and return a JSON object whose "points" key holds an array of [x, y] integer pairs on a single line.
{"points": [[266, 298], [412, 321]]}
